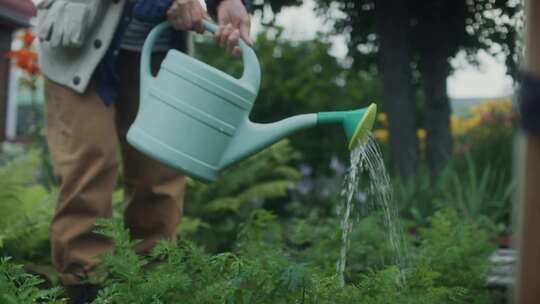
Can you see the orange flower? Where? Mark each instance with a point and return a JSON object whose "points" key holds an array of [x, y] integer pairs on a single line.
{"points": [[32, 68], [27, 38], [25, 59]]}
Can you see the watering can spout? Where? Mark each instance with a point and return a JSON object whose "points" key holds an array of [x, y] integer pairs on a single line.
{"points": [[252, 137]]}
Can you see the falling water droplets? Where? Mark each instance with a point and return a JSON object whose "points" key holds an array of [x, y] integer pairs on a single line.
{"points": [[368, 158]]}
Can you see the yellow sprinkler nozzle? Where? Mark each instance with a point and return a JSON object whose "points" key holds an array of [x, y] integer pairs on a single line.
{"points": [[356, 124], [362, 125]]}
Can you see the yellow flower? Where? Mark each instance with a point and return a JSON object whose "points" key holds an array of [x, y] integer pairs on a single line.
{"points": [[472, 123], [382, 118], [456, 125], [460, 126], [479, 116], [421, 134], [495, 105], [381, 135]]}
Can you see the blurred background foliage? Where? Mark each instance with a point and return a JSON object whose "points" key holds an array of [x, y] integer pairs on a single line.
{"points": [[460, 199]]}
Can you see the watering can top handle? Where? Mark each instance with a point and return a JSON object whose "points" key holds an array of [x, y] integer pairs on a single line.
{"points": [[252, 70]]}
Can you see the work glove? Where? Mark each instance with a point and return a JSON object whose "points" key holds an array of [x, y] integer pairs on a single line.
{"points": [[66, 23]]}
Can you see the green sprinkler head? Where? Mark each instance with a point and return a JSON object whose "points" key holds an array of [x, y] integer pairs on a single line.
{"points": [[357, 125]]}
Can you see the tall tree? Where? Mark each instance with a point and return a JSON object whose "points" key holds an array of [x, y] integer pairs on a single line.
{"points": [[435, 30], [378, 32], [440, 29], [391, 21], [438, 34]]}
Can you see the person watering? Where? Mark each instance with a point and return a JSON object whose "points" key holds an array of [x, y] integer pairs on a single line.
{"points": [[89, 55]]}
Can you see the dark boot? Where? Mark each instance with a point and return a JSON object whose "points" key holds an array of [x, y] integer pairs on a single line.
{"points": [[82, 293]]}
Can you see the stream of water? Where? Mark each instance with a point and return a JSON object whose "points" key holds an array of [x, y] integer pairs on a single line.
{"points": [[368, 158]]}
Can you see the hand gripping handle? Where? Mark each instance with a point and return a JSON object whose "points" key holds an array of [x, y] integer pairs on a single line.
{"points": [[252, 69]]}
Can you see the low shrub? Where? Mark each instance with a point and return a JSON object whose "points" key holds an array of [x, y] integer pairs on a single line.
{"points": [[26, 210], [447, 265], [214, 211], [17, 287]]}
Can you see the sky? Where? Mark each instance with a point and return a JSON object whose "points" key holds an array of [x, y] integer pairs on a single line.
{"points": [[489, 79]]}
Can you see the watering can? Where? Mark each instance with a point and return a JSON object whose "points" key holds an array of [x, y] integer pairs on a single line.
{"points": [[195, 118]]}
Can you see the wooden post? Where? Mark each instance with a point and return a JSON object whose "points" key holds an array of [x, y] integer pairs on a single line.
{"points": [[528, 287]]}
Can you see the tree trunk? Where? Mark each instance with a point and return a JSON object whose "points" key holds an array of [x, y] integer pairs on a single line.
{"points": [[395, 65], [435, 68]]}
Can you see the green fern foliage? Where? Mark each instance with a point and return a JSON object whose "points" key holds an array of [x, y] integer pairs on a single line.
{"points": [[187, 274], [17, 287], [448, 266], [458, 250], [265, 175], [26, 209], [214, 211]]}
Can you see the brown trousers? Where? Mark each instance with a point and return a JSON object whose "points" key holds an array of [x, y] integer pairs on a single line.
{"points": [[83, 135]]}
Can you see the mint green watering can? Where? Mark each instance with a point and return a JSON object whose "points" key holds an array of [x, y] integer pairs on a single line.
{"points": [[195, 118]]}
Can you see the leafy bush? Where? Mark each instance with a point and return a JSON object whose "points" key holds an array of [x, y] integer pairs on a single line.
{"points": [[419, 196], [285, 259], [319, 240], [458, 250], [386, 286], [186, 274], [18, 287], [214, 211], [26, 209], [480, 194], [486, 133], [448, 266], [478, 180]]}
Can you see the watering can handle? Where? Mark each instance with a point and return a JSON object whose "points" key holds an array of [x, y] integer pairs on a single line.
{"points": [[252, 70]]}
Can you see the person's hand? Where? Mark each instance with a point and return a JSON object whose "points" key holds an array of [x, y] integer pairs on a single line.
{"points": [[234, 23], [186, 15]]}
